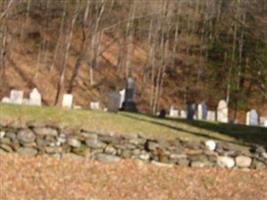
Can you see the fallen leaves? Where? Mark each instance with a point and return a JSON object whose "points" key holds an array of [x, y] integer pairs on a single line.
{"points": [[49, 178]]}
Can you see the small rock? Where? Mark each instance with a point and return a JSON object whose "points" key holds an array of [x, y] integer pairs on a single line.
{"points": [[264, 155], [2, 134], [53, 150], [95, 144], [256, 164], [73, 142], [201, 164], [137, 141], [26, 136], [5, 140], [144, 156], [243, 161], [126, 154], [183, 162], [72, 156], [162, 164], [224, 161], [136, 152], [151, 145], [107, 158], [11, 135], [27, 151], [110, 150], [89, 135], [177, 156], [46, 131], [6, 148], [210, 145]]}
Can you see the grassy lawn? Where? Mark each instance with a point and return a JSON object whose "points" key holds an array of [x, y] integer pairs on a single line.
{"points": [[130, 123]]}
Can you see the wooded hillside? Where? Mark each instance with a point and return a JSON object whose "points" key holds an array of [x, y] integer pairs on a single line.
{"points": [[177, 50]]}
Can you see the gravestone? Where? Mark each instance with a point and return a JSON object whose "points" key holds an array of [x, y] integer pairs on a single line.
{"points": [[202, 111], [222, 112], [122, 97], [211, 116], [67, 101], [162, 113], [5, 100], [183, 114], [252, 118], [113, 102], [129, 104], [35, 98], [191, 111], [95, 105], [263, 121], [16, 97], [173, 112]]}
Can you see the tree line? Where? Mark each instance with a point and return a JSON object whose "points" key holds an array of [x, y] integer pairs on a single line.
{"points": [[214, 48]]}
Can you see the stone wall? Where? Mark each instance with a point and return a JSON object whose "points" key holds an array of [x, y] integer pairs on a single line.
{"points": [[81, 144]]}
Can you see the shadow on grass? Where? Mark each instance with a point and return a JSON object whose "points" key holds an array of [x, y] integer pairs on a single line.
{"points": [[243, 135]]}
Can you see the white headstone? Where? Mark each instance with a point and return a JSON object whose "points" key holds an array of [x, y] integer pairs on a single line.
{"points": [[67, 101], [202, 111], [263, 121], [122, 97], [95, 105], [16, 96], [211, 116], [222, 112], [252, 118], [5, 100], [183, 114], [35, 98], [173, 112]]}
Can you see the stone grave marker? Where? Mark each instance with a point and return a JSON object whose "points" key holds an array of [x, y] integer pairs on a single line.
{"points": [[5, 100], [67, 101], [252, 118], [35, 98], [211, 116], [95, 105], [202, 111], [129, 104], [222, 112], [122, 97], [183, 114], [162, 113], [16, 96], [173, 112], [191, 111], [113, 102], [263, 121]]}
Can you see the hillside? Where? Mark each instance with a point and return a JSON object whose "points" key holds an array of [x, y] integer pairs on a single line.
{"points": [[175, 55]]}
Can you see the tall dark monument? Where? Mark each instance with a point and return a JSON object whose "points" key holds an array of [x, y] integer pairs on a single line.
{"points": [[129, 104]]}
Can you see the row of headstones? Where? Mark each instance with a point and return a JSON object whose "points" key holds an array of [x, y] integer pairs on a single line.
{"points": [[202, 113], [16, 97], [35, 98], [115, 101]]}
